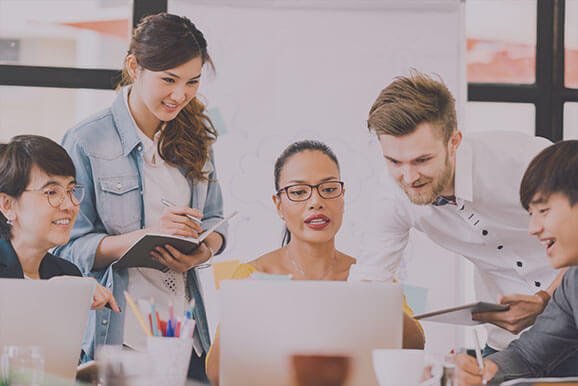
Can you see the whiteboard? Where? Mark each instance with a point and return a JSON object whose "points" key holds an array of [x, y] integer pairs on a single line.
{"points": [[290, 70]]}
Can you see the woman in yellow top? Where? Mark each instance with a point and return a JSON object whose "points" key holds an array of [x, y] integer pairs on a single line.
{"points": [[309, 199]]}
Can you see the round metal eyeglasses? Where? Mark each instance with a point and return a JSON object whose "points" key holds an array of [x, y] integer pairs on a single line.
{"points": [[302, 192], [56, 194]]}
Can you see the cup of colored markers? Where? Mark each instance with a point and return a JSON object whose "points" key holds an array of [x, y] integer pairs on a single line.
{"points": [[171, 346]]}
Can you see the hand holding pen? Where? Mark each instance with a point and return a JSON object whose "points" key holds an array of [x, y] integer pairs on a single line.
{"points": [[179, 220], [479, 355], [474, 371]]}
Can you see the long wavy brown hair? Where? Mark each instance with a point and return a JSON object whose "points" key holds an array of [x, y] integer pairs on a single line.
{"points": [[161, 42]]}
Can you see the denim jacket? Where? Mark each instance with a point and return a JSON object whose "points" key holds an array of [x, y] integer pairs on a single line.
{"points": [[106, 151]]}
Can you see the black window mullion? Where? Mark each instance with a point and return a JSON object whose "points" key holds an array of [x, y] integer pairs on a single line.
{"points": [[60, 77], [142, 8], [502, 92], [548, 93], [545, 118], [556, 129], [569, 94]]}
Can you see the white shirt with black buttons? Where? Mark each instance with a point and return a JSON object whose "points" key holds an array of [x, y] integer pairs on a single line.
{"points": [[487, 224]]}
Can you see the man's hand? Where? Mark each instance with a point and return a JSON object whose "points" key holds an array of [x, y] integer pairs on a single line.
{"points": [[522, 313], [468, 372], [177, 261]]}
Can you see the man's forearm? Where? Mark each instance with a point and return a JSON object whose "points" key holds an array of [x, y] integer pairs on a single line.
{"points": [[511, 365]]}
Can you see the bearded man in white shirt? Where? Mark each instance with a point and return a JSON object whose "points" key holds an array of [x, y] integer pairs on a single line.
{"points": [[463, 194]]}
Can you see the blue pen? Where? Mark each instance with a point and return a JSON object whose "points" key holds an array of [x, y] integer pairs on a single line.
{"points": [[169, 329]]}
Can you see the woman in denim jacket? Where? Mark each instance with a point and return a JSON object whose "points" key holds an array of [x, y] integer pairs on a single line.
{"points": [[153, 144]]}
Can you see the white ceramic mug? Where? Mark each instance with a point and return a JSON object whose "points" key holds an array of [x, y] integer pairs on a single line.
{"points": [[398, 367]]}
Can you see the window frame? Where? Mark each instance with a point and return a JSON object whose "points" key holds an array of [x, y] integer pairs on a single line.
{"points": [[71, 77], [548, 93]]}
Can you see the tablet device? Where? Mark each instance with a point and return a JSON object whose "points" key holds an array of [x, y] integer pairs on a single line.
{"points": [[462, 315]]}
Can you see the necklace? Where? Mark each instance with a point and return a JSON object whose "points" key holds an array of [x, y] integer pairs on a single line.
{"points": [[302, 271]]}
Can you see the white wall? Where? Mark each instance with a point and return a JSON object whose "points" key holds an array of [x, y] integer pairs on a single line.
{"points": [[291, 70]]}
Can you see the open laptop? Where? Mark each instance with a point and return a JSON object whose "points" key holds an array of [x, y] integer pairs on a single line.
{"points": [[51, 314], [264, 322]]}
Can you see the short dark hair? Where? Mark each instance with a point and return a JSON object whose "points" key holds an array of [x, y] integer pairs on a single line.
{"points": [[291, 150], [410, 101], [553, 170], [19, 156]]}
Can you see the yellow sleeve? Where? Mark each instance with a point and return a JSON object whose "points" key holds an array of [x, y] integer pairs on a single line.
{"points": [[409, 311], [244, 271]]}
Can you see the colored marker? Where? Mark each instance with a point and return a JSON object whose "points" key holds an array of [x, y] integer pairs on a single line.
{"points": [[154, 318]]}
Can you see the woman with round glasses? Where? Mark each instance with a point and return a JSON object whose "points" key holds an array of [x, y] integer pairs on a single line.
{"points": [[39, 201], [309, 199]]}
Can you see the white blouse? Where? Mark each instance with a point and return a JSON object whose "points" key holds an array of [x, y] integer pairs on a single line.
{"points": [[160, 181]]}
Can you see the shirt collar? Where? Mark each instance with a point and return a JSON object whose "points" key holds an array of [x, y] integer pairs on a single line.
{"points": [[9, 264], [149, 146], [464, 175], [124, 123]]}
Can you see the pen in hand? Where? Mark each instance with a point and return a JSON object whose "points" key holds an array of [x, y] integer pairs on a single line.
{"points": [[479, 354], [167, 203]]}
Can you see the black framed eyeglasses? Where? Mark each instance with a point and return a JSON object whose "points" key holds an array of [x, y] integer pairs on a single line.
{"points": [[56, 194], [302, 192]]}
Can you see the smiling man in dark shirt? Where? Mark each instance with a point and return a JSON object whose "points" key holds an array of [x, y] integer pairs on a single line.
{"points": [[549, 192]]}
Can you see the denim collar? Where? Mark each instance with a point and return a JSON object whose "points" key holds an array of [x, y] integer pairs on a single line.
{"points": [[129, 138]]}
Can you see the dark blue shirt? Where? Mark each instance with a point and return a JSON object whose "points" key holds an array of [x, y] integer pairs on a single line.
{"points": [[552, 339], [50, 265]]}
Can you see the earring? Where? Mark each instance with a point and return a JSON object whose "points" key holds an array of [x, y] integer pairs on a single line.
{"points": [[10, 222]]}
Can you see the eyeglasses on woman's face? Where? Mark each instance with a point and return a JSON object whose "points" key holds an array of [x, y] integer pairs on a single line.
{"points": [[56, 194], [302, 192]]}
